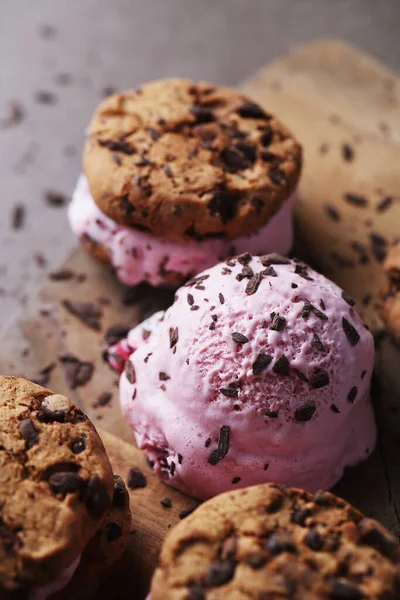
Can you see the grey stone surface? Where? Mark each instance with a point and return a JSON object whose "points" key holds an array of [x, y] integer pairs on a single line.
{"points": [[75, 49]]}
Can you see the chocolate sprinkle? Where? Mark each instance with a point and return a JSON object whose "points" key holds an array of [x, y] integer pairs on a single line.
{"points": [[239, 338], [253, 284], [223, 446], [262, 361], [304, 413], [351, 333], [278, 323], [136, 479], [351, 396], [356, 199], [207, 442], [319, 379], [173, 336], [318, 343], [282, 366]]}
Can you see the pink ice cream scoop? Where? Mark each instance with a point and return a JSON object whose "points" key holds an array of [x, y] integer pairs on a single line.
{"points": [[260, 371], [137, 256]]}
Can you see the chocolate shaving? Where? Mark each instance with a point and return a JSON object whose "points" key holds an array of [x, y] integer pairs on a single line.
{"points": [[221, 298], [130, 372], [253, 284], [351, 396], [61, 275], [18, 216], [55, 199], [318, 343], [301, 270], [231, 392], [347, 298], [239, 337], [351, 333], [384, 204], [262, 361], [304, 413], [278, 323], [173, 336], [282, 366], [378, 246], [356, 199], [190, 299], [77, 372], [86, 312], [334, 408], [347, 152], [223, 446], [319, 379]]}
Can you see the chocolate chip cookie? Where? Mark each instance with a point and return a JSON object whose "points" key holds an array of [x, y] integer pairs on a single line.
{"points": [[185, 160], [56, 487], [278, 543], [391, 293]]}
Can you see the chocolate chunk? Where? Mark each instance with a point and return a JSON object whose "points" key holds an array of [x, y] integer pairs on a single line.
{"points": [[223, 446], [201, 114], [280, 542], [348, 298], [318, 343], [266, 136], [166, 503], [186, 512], [220, 572], [276, 177], [253, 284], [300, 375], [319, 313], [173, 336], [334, 408], [350, 331], [239, 338], [66, 483], [356, 199], [248, 151], [113, 531], [304, 413], [256, 560], [347, 152], [322, 498], [314, 540], [351, 396], [278, 323], [262, 361], [130, 372], [117, 146], [18, 216], [224, 203], [45, 97], [163, 376], [96, 496], [212, 326], [272, 414], [78, 446], [86, 312], [221, 298], [384, 204], [319, 379], [104, 399], [28, 432], [55, 199], [270, 272], [302, 271], [300, 515], [231, 392], [115, 334], [371, 535], [190, 299], [236, 480], [245, 258], [119, 492], [251, 110], [136, 479], [55, 409], [378, 246], [282, 366], [341, 589], [233, 160]]}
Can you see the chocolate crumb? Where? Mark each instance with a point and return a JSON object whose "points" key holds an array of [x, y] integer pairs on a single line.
{"points": [[104, 399], [223, 446], [350, 331], [282, 366], [266, 466], [363, 374], [221, 298], [304, 413], [274, 259], [77, 372], [163, 376], [239, 337], [115, 334], [294, 286], [271, 414], [270, 272], [61, 275], [130, 372], [207, 442], [253, 284], [231, 392], [262, 361], [45, 97], [190, 299], [136, 479], [236, 480], [173, 336], [278, 323], [245, 258], [319, 379], [378, 246], [384, 204], [251, 110]]}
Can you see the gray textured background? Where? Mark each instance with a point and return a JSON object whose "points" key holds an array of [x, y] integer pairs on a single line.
{"points": [[74, 49]]}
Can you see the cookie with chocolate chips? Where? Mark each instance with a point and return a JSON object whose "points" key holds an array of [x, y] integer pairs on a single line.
{"points": [[391, 292], [273, 542], [57, 493], [186, 160]]}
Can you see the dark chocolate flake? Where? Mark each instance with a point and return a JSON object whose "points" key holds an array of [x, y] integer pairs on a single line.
{"points": [[304, 413], [301, 270], [305, 313], [236, 480], [253, 284], [384, 204], [117, 146], [173, 336], [219, 573], [318, 343], [351, 396], [378, 246], [221, 298], [239, 338], [104, 399], [18, 216], [262, 361], [270, 272], [77, 372], [28, 432], [86, 312], [334, 408], [347, 152], [300, 375], [319, 313], [245, 258], [136, 479], [347, 298], [55, 199], [163, 376], [251, 110], [350, 331], [278, 323], [319, 379], [356, 199], [61, 275], [271, 414], [190, 299], [223, 446], [231, 392], [282, 366], [186, 512], [130, 372], [116, 333]]}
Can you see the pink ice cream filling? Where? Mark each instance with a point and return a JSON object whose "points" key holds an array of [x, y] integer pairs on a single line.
{"points": [[137, 256], [256, 373], [60, 583]]}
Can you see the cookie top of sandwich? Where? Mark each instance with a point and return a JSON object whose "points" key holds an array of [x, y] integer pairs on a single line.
{"points": [[56, 484], [189, 160], [274, 542]]}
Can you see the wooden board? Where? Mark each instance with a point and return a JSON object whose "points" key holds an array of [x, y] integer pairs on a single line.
{"points": [[325, 91]]}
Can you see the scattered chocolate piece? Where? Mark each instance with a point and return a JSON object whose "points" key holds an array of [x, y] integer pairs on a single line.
{"points": [[163, 376], [116, 333], [104, 399], [28, 432], [253, 284], [318, 343], [223, 446], [221, 298], [356, 199], [130, 372], [278, 323], [347, 152], [300, 375], [314, 540], [270, 272], [348, 298], [239, 338], [378, 246], [45, 97], [14, 117], [262, 361], [306, 309], [332, 212], [266, 466], [245, 258], [61, 275], [274, 259], [351, 396], [66, 483], [236, 480], [272, 414], [280, 542], [173, 336], [86, 312], [190, 299], [304, 413], [319, 379], [384, 204], [207, 442], [18, 216], [282, 366], [251, 110], [186, 512], [318, 313], [231, 392], [220, 572], [334, 408], [301, 270], [350, 331], [136, 479], [55, 199], [77, 372], [166, 503]]}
